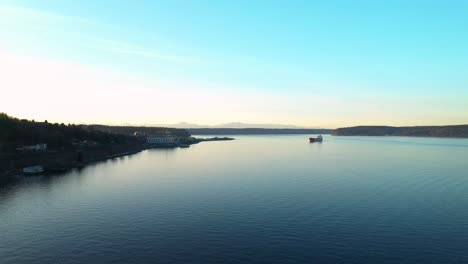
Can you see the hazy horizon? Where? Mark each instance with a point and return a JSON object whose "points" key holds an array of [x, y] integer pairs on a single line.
{"points": [[299, 63], [227, 125]]}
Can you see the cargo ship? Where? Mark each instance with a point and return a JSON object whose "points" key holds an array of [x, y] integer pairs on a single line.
{"points": [[317, 139]]}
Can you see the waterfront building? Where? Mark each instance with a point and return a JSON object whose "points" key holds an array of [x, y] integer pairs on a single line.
{"points": [[162, 140], [37, 147]]}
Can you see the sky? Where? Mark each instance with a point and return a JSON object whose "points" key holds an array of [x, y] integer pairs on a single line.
{"points": [[304, 63]]}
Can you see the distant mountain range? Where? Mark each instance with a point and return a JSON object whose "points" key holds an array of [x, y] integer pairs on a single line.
{"points": [[238, 128], [256, 131], [415, 131], [228, 125]]}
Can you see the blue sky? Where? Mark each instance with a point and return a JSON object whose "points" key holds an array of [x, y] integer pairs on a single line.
{"points": [[306, 63]]}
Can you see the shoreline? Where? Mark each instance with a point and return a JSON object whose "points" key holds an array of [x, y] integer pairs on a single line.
{"points": [[67, 166], [61, 161]]}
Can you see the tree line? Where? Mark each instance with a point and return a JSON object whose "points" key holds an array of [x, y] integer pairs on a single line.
{"points": [[16, 132]]}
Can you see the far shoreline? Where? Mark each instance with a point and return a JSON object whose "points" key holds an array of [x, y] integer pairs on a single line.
{"points": [[453, 131]]}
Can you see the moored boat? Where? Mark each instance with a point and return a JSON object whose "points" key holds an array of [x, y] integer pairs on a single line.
{"points": [[33, 170], [317, 139]]}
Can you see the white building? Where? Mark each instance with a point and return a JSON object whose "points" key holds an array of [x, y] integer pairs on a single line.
{"points": [[163, 140], [139, 134], [37, 147]]}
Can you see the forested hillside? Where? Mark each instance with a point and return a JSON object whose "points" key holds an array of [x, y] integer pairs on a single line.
{"points": [[416, 131], [16, 132]]}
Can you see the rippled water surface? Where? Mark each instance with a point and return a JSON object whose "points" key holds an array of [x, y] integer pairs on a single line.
{"points": [[259, 199]]}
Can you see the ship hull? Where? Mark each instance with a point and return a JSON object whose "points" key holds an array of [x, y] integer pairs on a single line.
{"points": [[313, 140]]}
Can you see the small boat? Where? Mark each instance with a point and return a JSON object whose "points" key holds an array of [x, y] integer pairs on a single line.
{"points": [[33, 170], [317, 139]]}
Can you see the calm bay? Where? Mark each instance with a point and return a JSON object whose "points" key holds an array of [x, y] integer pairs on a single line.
{"points": [[257, 199]]}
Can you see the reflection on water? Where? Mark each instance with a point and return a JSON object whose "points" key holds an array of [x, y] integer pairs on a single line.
{"points": [[268, 199]]}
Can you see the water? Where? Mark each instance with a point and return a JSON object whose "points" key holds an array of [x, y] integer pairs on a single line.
{"points": [[259, 199]]}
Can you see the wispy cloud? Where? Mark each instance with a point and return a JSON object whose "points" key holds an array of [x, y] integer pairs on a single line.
{"points": [[125, 48], [151, 54], [34, 18], [18, 12]]}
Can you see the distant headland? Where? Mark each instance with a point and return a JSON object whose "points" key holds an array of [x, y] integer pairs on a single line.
{"points": [[455, 131], [30, 147]]}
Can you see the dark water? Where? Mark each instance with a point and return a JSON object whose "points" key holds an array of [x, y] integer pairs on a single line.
{"points": [[259, 199]]}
